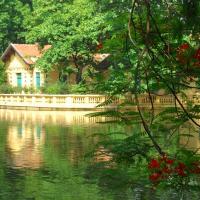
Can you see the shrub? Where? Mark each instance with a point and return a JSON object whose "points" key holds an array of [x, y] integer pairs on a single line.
{"points": [[29, 90], [17, 90], [6, 89], [57, 88], [78, 89]]}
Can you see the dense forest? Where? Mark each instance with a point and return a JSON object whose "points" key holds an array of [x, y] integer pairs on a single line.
{"points": [[154, 46]]}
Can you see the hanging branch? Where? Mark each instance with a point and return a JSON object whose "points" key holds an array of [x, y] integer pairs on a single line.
{"points": [[154, 59], [146, 127], [150, 98]]}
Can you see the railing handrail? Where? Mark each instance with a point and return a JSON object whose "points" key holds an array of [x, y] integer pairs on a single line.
{"points": [[84, 100], [56, 95]]}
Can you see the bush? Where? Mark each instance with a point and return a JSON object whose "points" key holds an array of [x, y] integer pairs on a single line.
{"points": [[78, 89], [17, 90], [29, 90], [6, 89], [57, 88]]}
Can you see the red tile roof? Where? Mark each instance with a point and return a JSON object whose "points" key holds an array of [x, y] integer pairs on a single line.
{"points": [[31, 52], [28, 52]]}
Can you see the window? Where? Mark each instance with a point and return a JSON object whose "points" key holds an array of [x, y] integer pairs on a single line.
{"points": [[37, 79], [19, 79]]}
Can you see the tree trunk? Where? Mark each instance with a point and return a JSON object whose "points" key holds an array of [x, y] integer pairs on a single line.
{"points": [[79, 69], [79, 75]]}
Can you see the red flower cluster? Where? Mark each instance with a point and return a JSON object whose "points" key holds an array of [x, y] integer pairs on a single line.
{"points": [[185, 54], [164, 167], [197, 57], [197, 54], [160, 168], [184, 46], [155, 176], [181, 169], [154, 164]]}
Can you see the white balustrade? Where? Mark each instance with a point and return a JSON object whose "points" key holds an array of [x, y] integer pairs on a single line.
{"points": [[85, 101]]}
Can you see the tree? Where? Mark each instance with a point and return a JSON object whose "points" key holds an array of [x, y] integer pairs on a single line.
{"points": [[11, 22], [161, 51], [72, 28]]}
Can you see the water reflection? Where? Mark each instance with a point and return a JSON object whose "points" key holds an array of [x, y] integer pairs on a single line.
{"points": [[69, 134], [47, 150], [53, 117], [24, 143], [42, 157]]}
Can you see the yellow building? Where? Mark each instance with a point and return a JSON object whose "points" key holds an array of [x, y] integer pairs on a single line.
{"points": [[21, 72]]}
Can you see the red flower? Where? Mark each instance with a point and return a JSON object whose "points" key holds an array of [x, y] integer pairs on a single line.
{"points": [[197, 54], [166, 160], [169, 161], [184, 46], [154, 164], [181, 165], [180, 171], [166, 170], [155, 176]]}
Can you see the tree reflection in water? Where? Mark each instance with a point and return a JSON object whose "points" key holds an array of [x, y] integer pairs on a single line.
{"points": [[42, 156]]}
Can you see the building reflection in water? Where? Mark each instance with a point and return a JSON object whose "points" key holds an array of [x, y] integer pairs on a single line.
{"points": [[27, 130], [24, 143], [52, 117]]}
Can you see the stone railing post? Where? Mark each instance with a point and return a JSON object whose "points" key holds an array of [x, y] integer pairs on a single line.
{"points": [[54, 100], [69, 101], [33, 99], [43, 100], [87, 100], [157, 100]]}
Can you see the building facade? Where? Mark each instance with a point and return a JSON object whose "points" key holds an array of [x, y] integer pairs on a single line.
{"points": [[22, 72], [19, 60]]}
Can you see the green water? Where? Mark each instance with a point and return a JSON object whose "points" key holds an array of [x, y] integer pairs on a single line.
{"points": [[42, 156], [47, 155]]}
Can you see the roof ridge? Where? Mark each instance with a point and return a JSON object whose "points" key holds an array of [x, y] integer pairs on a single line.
{"points": [[22, 44]]}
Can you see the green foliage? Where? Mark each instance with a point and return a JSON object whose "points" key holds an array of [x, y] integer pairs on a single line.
{"points": [[72, 28], [63, 88], [11, 22], [56, 88], [2, 73], [29, 90], [78, 89], [6, 89]]}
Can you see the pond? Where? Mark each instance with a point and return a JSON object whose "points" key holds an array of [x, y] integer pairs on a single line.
{"points": [[49, 155], [43, 155]]}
